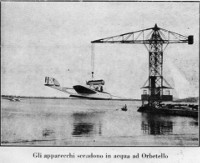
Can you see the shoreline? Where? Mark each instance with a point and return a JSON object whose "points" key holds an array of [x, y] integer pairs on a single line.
{"points": [[38, 97], [187, 100]]}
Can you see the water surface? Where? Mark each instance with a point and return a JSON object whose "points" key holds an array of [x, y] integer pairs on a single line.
{"points": [[70, 122]]}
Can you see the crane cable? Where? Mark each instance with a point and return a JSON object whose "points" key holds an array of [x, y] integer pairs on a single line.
{"points": [[92, 59]]}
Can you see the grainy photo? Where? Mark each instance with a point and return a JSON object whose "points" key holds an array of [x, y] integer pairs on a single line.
{"points": [[99, 74]]}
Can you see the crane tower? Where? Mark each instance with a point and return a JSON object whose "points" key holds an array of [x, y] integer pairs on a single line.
{"points": [[155, 39]]}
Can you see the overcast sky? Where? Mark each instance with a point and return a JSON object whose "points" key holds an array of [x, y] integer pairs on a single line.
{"points": [[53, 39]]}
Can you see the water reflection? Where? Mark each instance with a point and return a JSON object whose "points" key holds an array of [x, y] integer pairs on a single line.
{"points": [[87, 124], [156, 125], [82, 129], [194, 123], [47, 132]]}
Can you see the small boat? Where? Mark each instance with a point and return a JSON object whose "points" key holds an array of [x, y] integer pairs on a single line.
{"points": [[124, 108]]}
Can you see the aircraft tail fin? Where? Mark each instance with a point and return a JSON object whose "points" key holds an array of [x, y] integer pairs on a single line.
{"points": [[51, 82]]}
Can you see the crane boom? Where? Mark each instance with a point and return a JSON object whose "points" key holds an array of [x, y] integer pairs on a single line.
{"points": [[154, 37], [144, 37]]}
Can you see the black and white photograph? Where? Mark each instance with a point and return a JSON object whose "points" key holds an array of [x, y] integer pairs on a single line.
{"points": [[99, 74]]}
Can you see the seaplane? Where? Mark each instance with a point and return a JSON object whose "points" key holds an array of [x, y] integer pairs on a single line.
{"points": [[93, 89], [14, 99]]}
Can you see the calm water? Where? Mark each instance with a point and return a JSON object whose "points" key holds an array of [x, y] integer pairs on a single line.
{"points": [[66, 122]]}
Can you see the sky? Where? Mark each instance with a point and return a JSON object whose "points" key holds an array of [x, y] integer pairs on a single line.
{"points": [[54, 39]]}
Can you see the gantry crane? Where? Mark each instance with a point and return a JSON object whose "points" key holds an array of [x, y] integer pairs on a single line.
{"points": [[154, 40]]}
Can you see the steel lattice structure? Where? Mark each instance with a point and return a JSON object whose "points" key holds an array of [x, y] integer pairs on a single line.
{"points": [[154, 40]]}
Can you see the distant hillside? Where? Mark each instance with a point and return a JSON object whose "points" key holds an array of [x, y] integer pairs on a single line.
{"points": [[189, 99]]}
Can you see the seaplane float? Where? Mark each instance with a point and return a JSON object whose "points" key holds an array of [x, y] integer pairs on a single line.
{"points": [[92, 90]]}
